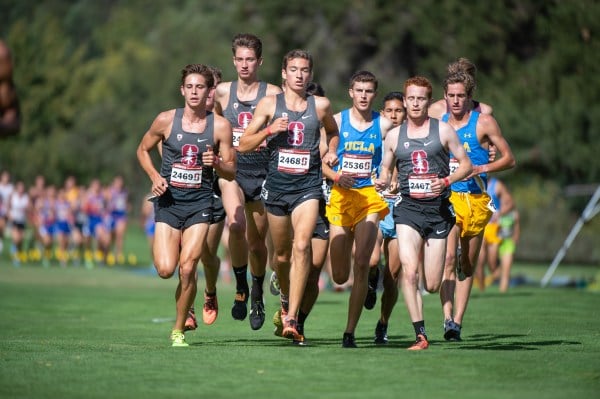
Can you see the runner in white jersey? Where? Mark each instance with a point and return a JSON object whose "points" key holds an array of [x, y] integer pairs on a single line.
{"points": [[19, 208]]}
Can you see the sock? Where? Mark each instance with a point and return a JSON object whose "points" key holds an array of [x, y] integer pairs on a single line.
{"points": [[241, 284], [285, 302], [419, 327], [257, 286], [211, 294], [302, 317]]}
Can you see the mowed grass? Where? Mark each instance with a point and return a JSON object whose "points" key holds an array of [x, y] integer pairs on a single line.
{"points": [[103, 333]]}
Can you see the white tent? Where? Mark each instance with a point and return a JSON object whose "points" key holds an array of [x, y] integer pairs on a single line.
{"points": [[591, 210]]}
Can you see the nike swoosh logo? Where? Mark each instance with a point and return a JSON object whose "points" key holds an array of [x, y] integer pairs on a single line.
{"points": [[205, 214], [440, 231], [306, 116], [426, 144], [201, 140], [326, 231]]}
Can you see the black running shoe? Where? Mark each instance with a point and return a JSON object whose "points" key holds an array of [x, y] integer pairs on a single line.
{"points": [[302, 341], [381, 337], [257, 314], [348, 341], [452, 330], [239, 311], [371, 298]]}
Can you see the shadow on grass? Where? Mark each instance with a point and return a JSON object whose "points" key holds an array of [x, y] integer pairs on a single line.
{"points": [[498, 295], [361, 342], [504, 342]]}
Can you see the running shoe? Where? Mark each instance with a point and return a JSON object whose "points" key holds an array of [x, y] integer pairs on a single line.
{"points": [[210, 310], [239, 311], [451, 330], [257, 314], [420, 343], [381, 337], [371, 298], [290, 329], [348, 341], [190, 322], [178, 339], [302, 341], [277, 321], [274, 284]]}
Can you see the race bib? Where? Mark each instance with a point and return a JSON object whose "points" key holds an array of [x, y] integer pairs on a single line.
{"points": [[453, 165], [237, 133], [326, 188], [184, 176], [293, 161], [491, 206], [357, 165], [420, 185]]}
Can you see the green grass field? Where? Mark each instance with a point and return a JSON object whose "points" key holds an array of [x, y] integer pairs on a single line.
{"points": [[103, 333]]}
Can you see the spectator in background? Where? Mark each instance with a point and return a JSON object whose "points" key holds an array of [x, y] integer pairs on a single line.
{"points": [[118, 206], [6, 189], [503, 203], [18, 211]]}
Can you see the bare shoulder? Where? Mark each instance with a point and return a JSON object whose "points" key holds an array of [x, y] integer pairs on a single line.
{"points": [[222, 89], [221, 122], [164, 119], [486, 108], [267, 101], [391, 138], [322, 102], [385, 123], [273, 89], [487, 121], [437, 109], [446, 131]]}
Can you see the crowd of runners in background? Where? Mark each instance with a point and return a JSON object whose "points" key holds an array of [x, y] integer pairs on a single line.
{"points": [[68, 224]]}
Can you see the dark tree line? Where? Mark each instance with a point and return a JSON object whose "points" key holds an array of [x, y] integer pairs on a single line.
{"points": [[91, 75]]}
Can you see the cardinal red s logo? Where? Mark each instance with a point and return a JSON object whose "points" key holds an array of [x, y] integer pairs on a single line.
{"points": [[419, 161], [295, 133], [244, 119], [189, 154]]}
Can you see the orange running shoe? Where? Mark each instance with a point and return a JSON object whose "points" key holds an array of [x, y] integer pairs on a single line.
{"points": [[420, 344], [210, 310]]}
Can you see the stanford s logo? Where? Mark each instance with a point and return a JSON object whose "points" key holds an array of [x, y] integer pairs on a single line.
{"points": [[296, 133], [189, 155], [244, 119]]}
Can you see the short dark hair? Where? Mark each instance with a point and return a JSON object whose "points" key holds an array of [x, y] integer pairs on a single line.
{"points": [[363, 76], [393, 95], [247, 40], [297, 53], [200, 69]]}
